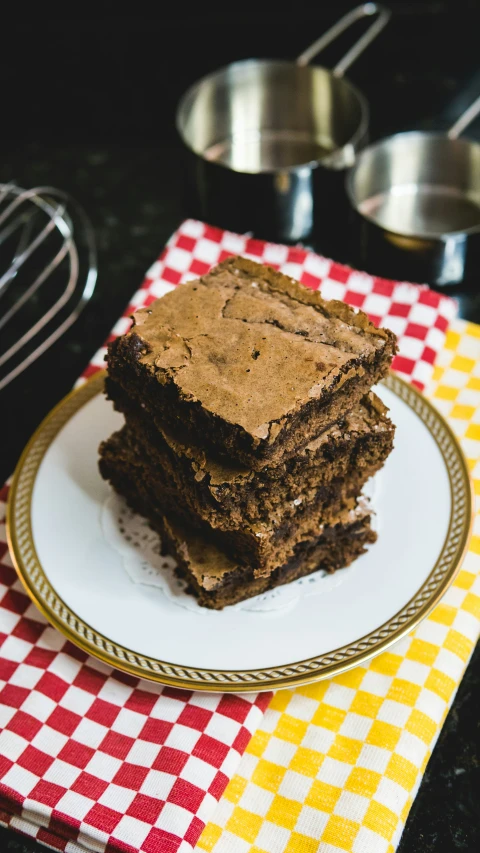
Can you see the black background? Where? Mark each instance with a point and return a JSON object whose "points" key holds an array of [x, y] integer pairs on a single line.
{"points": [[88, 102]]}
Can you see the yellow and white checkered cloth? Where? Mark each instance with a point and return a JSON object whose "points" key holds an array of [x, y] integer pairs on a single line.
{"points": [[335, 766]]}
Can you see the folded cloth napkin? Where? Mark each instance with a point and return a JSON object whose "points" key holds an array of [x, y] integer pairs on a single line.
{"points": [[94, 760], [335, 766]]}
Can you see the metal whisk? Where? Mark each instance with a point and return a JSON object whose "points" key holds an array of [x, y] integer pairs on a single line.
{"points": [[48, 272]]}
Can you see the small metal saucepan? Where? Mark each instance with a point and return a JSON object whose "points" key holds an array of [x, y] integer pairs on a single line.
{"points": [[262, 137], [417, 196]]}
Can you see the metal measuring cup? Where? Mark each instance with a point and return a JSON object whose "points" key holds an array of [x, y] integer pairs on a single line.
{"points": [[417, 195], [263, 137]]}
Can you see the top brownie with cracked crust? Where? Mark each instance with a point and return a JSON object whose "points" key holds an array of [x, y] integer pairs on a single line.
{"points": [[253, 363]]}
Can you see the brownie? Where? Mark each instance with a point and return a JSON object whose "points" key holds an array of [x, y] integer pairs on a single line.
{"points": [[261, 546], [229, 496], [218, 581], [250, 360]]}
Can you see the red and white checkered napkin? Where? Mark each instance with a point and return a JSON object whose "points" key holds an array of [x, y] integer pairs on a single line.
{"points": [[94, 760]]}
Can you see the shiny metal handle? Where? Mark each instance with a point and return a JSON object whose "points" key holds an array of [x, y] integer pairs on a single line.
{"points": [[363, 11], [465, 119]]}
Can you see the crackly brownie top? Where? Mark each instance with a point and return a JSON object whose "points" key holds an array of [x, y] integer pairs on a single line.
{"points": [[252, 345]]}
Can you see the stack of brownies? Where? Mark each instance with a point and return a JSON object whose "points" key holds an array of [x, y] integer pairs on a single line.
{"points": [[250, 428]]}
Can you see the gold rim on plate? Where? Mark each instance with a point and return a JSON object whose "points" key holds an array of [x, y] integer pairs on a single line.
{"points": [[35, 579]]}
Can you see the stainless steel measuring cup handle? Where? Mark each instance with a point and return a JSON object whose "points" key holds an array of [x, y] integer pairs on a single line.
{"points": [[364, 11], [465, 119]]}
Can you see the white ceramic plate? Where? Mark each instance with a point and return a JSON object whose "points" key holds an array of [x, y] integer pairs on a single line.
{"points": [[83, 572]]}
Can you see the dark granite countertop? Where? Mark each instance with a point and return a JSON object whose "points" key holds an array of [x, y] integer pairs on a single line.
{"points": [[97, 121]]}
